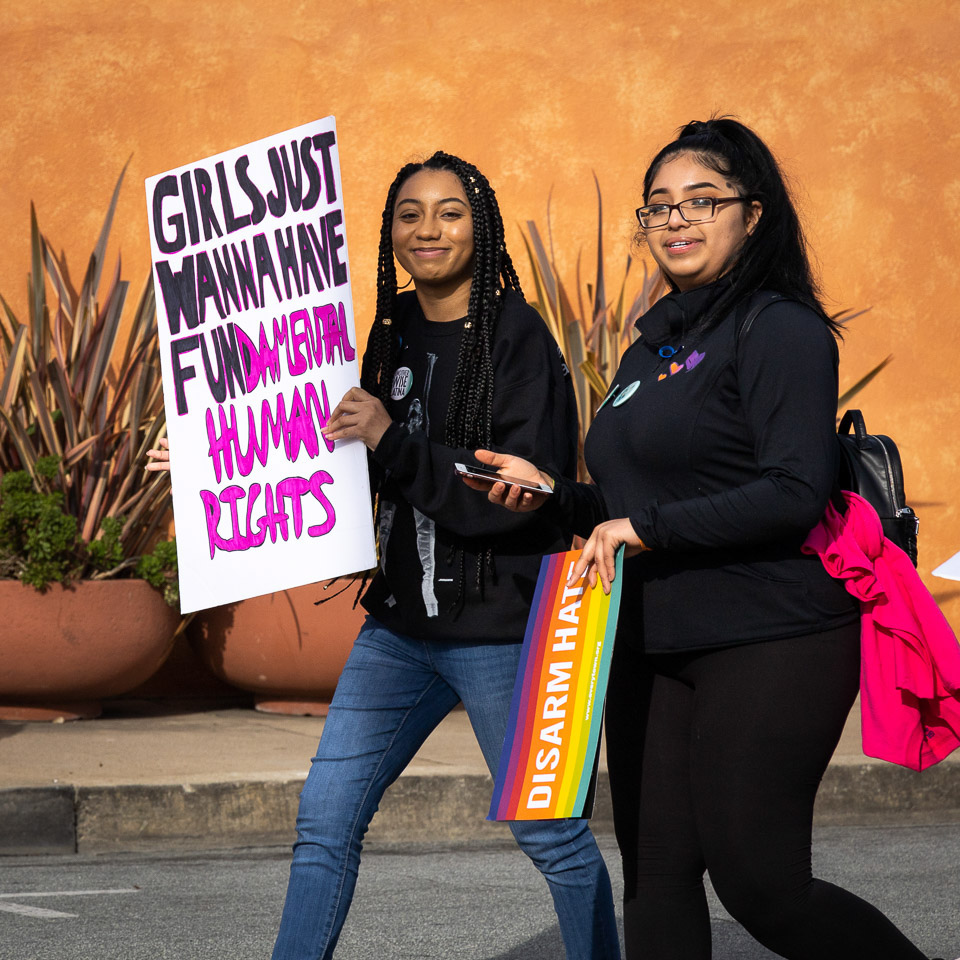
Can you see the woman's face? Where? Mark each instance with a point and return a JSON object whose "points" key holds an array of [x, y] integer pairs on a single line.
{"points": [[694, 254], [433, 229]]}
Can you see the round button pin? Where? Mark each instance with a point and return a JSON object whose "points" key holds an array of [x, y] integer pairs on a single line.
{"points": [[626, 393], [402, 382]]}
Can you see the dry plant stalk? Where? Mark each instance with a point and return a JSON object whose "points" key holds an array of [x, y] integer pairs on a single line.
{"points": [[594, 333]]}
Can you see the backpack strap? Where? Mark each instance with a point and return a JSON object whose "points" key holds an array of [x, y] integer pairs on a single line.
{"points": [[854, 418], [758, 303]]}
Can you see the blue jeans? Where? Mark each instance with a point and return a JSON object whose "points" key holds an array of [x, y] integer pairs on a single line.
{"points": [[392, 693]]}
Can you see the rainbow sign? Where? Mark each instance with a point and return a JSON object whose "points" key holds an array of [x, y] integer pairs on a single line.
{"points": [[548, 764]]}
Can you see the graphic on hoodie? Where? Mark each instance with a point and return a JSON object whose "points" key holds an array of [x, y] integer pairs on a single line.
{"points": [[417, 420]]}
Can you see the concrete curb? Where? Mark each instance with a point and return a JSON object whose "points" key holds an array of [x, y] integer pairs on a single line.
{"points": [[418, 809], [38, 820], [881, 793]]}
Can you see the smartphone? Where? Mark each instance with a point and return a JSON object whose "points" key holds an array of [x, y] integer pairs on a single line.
{"points": [[490, 475]]}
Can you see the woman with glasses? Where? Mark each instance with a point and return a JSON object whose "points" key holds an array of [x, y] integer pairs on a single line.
{"points": [[737, 658], [459, 361]]}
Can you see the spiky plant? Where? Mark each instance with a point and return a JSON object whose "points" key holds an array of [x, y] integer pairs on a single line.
{"points": [[592, 332], [72, 389]]}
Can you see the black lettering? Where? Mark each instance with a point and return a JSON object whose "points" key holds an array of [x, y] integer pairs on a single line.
{"points": [[322, 248], [205, 197], [307, 259], [277, 202], [182, 374], [179, 292], [265, 267], [218, 384], [167, 187], [207, 287], [190, 204], [250, 189], [312, 171], [245, 276], [334, 241], [287, 252], [294, 184], [323, 142], [232, 361], [226, 278], [230, 222]]}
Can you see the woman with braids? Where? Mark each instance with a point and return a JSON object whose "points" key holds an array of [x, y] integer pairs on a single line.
{"points": [[737, 656], [460, 362]]}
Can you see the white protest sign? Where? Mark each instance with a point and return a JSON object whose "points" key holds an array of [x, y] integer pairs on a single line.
{"points": [[258, 345], [949, 569]]}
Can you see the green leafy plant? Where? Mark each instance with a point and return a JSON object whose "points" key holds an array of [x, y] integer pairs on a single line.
{"points": [[79, 408], [40, 543], [159, 569]]}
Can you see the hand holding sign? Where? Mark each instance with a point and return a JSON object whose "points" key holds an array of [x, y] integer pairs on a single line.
{"points": [[159, 459], [359, 414], [598, 557]]}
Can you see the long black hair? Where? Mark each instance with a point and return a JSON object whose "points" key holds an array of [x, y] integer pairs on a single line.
{"points": [[774, 255], [469, 421]]}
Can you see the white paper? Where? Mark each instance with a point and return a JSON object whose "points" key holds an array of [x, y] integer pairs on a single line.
{"points": [[949, 569], [256, 328]]}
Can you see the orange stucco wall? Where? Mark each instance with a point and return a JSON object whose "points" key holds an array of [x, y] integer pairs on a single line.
{"points": [[858, 97]]}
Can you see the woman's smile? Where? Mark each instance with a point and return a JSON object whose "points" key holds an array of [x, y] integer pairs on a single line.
{"points": [[681, 246]]}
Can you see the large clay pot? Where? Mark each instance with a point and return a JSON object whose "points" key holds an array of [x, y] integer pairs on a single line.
{"points": [[281, 647], [62, 651]]}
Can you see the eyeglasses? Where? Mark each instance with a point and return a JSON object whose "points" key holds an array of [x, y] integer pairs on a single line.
{"points": [[693, 210]]}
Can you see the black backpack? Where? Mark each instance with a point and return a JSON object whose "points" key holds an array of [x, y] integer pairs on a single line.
{"points": [[869, 463]]}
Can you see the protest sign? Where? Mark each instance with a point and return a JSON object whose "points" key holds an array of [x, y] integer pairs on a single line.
{"points": [[257, 345], [949, 569], [549, 758]]}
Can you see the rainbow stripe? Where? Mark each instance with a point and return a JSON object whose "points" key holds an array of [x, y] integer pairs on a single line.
{"points": [[549, 754]]}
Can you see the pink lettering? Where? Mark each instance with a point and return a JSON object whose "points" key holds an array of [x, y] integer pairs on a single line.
{"points": [[275, 519]]}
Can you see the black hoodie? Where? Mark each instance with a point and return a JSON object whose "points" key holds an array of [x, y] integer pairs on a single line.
{"points": [[723, 456], [429, 519]]}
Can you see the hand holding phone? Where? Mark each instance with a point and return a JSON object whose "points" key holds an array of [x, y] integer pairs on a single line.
{"points": [[491, 476]]}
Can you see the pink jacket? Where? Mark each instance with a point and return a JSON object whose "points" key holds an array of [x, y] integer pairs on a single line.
{"points": [[909, 656]]}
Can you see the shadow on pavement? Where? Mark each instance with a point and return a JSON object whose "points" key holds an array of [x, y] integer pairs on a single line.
{"points": [[730, 942], [8, 728]]}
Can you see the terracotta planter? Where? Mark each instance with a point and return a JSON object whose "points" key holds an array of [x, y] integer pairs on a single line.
{"points": [[64, 650], [281, 647], [184, 676]]}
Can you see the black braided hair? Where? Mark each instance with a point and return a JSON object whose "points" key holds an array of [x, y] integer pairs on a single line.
{"points": [[469, 421]]}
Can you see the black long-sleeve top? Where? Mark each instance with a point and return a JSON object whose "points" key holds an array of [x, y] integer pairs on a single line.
{"points": [[429, 518], [723, 456]]}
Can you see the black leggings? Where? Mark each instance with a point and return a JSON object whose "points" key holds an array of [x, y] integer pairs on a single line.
{"points": [[715, 758]]}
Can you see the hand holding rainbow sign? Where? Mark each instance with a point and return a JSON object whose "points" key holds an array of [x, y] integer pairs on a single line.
{"points": [[548, 761]]}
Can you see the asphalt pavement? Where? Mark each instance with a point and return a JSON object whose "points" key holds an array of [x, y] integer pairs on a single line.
{"points": [[413, 902]]}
